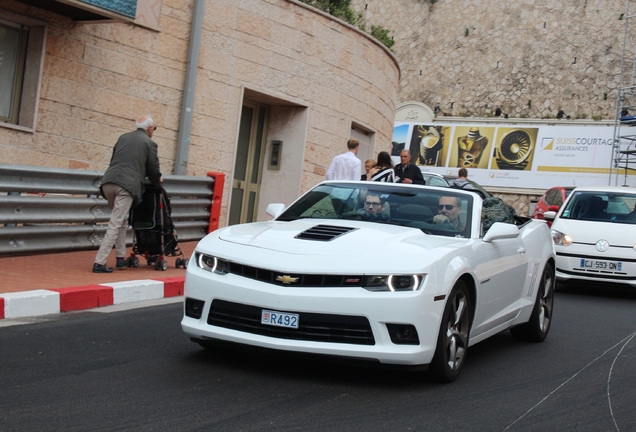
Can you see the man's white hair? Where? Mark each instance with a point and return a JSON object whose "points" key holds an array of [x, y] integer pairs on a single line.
{"points": [[144, 122]]}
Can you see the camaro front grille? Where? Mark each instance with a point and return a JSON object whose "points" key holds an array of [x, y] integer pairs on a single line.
{"points": [[312, 327], [295, 280]]}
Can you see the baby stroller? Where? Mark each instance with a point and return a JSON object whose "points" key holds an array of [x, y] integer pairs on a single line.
{"points": [[154, 235]]}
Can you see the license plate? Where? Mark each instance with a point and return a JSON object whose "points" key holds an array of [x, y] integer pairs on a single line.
{"points": [[280, 319], [601, 265]]}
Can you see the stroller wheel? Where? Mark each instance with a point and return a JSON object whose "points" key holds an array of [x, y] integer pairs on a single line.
{"points": [[185, 263], [135, 262], [157, 264], [177, 263], [164, 265]]}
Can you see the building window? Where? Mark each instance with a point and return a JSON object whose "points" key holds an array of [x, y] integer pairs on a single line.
{"points": [[21, 59], [12, 53]]}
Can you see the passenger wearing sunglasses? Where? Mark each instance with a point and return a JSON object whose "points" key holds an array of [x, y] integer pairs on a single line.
{"points": [[374, 204], [448, 212]]}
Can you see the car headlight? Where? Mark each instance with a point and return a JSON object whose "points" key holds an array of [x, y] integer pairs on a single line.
{"points": [[393, 282], [212, 264], [561, 239]]}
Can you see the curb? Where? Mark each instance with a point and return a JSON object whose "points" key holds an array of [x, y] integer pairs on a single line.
{"points": [[60, 300]]}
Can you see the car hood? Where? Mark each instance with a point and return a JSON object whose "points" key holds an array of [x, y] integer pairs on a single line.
{"points": [[616, 234], [361, 245]]}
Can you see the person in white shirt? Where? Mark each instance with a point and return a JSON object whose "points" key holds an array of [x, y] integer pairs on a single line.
{"points": [[346, 166]]}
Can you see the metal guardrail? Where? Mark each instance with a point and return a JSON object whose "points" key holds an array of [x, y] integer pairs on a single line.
{"points": [[44, 210]]}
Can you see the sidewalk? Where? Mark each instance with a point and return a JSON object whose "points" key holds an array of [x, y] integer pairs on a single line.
{"points": [[60, 282]]}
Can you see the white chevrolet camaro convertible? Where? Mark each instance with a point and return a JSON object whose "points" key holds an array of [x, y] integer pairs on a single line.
{"points": [[394, 274], [595, 235]]}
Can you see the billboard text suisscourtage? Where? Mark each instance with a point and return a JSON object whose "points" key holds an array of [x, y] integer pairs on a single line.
{"points": [[526, 156]]}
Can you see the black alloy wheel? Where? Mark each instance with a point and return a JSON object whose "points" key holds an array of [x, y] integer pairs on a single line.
{"points": [[538, 326], [452, 342]]}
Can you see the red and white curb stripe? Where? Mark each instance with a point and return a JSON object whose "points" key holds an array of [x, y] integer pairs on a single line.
{"points": [[57, 300]]}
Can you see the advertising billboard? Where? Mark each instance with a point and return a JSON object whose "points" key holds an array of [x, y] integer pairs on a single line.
{"points": [[526, 156]]}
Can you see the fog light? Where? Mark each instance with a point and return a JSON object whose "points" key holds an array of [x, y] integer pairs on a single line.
{"points": [[403, 334], [193, 308]]}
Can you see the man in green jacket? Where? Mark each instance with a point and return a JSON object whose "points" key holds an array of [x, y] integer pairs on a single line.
{"points": [[134, 158]]}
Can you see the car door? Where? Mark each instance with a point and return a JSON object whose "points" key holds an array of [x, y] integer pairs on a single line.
{"points": [[502, 282]]}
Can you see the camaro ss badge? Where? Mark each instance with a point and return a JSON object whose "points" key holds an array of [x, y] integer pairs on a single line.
{"points": [[286, 279], [602, 245]]}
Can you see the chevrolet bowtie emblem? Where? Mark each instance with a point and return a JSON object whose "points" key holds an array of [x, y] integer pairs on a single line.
{"points": [[286, 279]]}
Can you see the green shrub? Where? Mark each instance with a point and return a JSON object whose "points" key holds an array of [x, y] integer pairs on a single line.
{"points": [[341, 9], [382, 34]]}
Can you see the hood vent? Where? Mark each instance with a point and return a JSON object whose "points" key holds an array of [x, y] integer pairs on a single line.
{"points": [[324, 233]]}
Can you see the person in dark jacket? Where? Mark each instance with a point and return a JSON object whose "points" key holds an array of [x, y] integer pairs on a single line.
{"points": [[134, 158], [406, 171]]}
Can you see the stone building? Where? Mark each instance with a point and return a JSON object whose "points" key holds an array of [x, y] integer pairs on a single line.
{"points": [[268, 71]]}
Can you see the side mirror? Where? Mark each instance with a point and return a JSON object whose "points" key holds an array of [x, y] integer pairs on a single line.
{"points": [[274, 210], [500, 230], [549, 215]]}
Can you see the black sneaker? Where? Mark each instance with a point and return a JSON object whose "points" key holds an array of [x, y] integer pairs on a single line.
{"points": [[101, 268], [122, 263]]}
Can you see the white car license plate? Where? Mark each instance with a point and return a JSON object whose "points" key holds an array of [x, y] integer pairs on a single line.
{"points": [[280, 319], [601, 265]]}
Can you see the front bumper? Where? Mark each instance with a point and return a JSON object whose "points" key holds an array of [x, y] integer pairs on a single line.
{"points": [[242, 296], [619, 264]]}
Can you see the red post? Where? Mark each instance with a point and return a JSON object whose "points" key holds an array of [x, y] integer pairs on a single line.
{"points": [[217, 196]]}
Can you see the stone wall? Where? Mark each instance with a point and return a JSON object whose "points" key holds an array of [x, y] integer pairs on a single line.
{"points": [[531, 58], [97, 79]]}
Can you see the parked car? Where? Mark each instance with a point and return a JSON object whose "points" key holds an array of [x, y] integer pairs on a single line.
{"points": [[552, 200], [594, 235], [362, 271], [434, 179]]}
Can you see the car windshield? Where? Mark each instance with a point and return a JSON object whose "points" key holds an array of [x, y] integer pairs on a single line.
{"points": [[601, 206], [437, 212]]}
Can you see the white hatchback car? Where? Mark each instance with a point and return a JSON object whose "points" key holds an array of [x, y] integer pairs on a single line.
{"points": [[594, 235]]}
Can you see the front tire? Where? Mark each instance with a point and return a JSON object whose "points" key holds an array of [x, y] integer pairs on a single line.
{"points": [[537, 327], [452, 341]]}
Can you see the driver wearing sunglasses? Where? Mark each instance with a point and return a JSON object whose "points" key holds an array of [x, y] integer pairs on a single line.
{"points": [[448, 212]]}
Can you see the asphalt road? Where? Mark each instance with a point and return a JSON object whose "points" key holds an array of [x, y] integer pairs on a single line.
{"points": [[135, 370]]}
